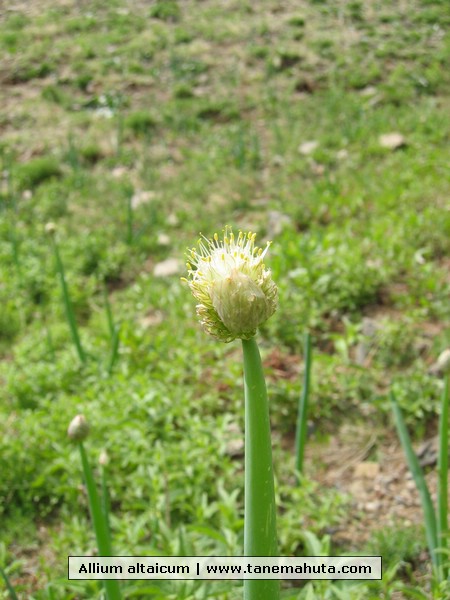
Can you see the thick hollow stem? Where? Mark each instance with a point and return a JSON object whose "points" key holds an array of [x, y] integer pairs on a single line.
{"points": [[260, 535]]}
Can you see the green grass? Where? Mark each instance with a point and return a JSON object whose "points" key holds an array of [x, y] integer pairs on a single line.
{"points": [[200, 109]]}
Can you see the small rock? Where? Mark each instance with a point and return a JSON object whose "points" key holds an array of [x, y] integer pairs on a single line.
{"points": [[172, 219], [260, 202], [153, 318], [317, 169], [361, 353], [167, 268], [367, 469], [372, 506], [368, 91], [369, 328], [342, 154], [159, 152], [163, 239], [104, 111], [176, 155], [357, 489], [277, 160], [168, 171], [308, 147], [140, 198], [235, 448], [119, 172], [217, 200], [392, 141], [276, 223]]}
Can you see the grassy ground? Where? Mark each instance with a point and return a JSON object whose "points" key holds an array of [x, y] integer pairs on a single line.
{"points": [[133, 126]]}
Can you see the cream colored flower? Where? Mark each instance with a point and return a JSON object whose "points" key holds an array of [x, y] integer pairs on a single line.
{"points": [[234, 289]]}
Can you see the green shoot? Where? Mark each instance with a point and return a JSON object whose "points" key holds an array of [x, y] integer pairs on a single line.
{"points": [[70, 314], [100, 523], [442, 498], [419, 479], [302, 424]]}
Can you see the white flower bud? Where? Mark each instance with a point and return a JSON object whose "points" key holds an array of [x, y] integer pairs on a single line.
{"points": [[443, 361], [235, 291], [78, 429]]}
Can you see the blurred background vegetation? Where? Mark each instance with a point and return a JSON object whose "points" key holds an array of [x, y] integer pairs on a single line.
{"points": [[322, 125]]}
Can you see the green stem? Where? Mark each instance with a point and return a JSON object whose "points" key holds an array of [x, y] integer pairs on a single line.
{"points": [[72, 154], [442, 499], [105, 502], [109, 316], [302, 423], [260, 534], [100, 524], [68, 304], [51, 347], [15, 251], [419, 479], [13, 229], [115, 342], [130, 218]]}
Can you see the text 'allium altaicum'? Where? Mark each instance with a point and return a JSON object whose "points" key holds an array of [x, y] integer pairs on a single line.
{"points": [[234, 289]]}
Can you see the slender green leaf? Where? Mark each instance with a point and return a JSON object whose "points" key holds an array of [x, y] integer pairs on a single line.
{"points": [[130, 218], [68, 304], [100, 524], [442, 499], [115, 343], [419, 479], [106, 507], [302, 418], [109, 315]]}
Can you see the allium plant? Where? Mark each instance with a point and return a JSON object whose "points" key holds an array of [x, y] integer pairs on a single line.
{"points": [[235, 295], [436, 521], [77, 432], [50, 229]]}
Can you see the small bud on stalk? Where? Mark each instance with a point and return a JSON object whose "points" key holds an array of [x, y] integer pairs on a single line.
{"points": [[443, 361], [78, 429]]}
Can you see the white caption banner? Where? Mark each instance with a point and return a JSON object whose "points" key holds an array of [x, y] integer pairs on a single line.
{"points": [[224, 567]]}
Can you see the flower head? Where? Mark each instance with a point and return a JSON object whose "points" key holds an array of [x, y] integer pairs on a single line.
{"points": [[78, 428], [234, 289]]}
